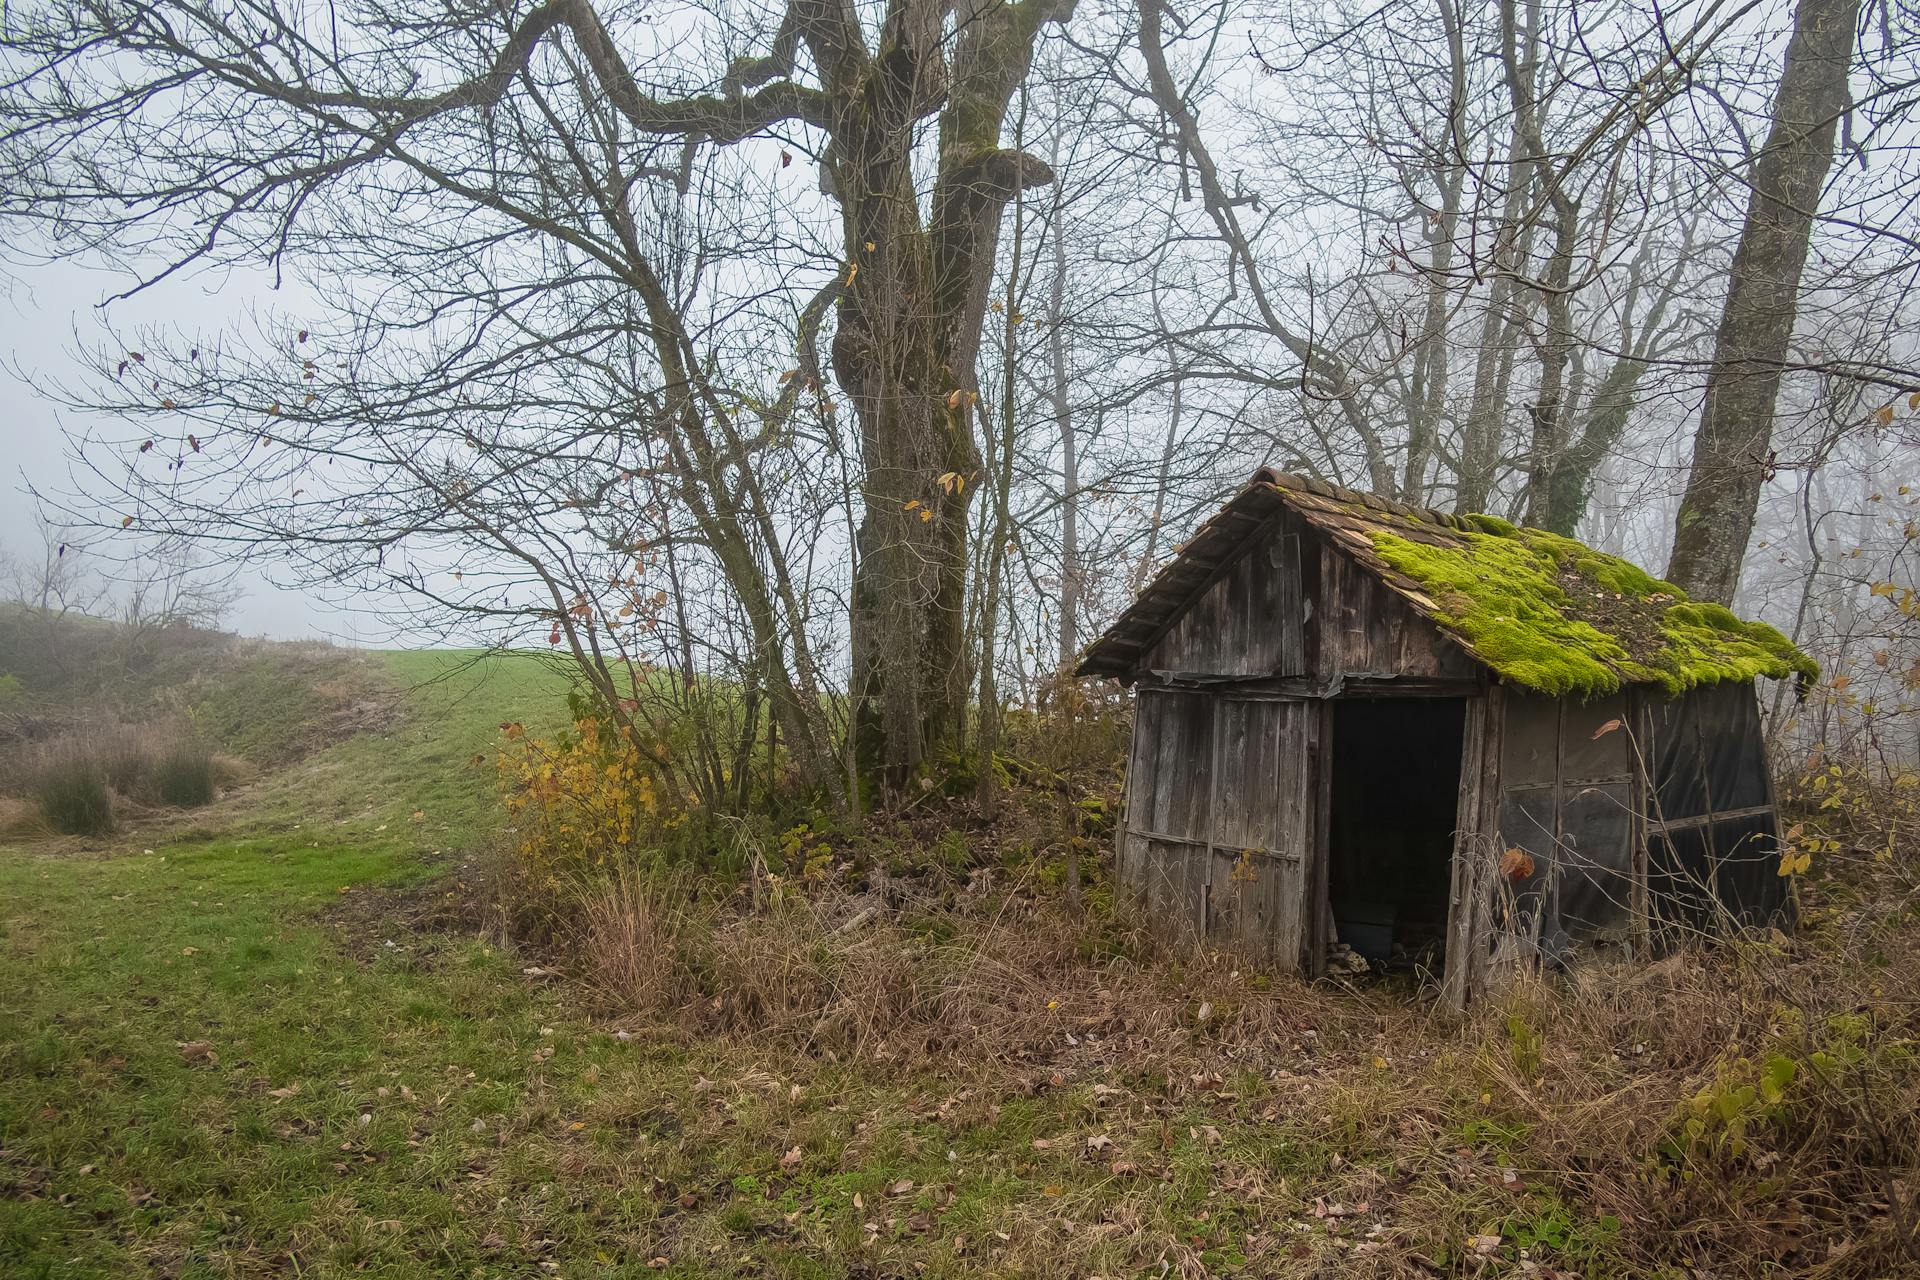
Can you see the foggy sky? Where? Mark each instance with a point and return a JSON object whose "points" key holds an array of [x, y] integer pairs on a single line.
{"points": [[46, 312]]}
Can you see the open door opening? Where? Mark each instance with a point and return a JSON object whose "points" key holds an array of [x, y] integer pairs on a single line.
{"points": [[1394, 803]]}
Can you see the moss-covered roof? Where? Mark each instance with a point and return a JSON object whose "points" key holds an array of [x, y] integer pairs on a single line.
{"points": [[1542, 610]]}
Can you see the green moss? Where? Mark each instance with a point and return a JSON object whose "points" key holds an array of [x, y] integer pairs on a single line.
{"points": [[1555, 615]]}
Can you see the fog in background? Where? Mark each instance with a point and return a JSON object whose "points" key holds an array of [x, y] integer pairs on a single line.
{"points": [[49, 313]]}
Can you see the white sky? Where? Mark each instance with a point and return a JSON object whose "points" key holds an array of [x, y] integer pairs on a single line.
{"points": [[46, 313]]}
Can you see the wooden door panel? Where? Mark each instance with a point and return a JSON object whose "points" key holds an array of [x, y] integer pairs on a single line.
{"points": [[1262, 826]]}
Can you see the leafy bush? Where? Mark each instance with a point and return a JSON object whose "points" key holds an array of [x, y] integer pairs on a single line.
{"points": [[1833, 1082], [73, 795], [583, 801], [183, 775]]}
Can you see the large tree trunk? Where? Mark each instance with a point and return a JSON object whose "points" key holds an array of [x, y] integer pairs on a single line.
{"points": [[1756, 325], [1427, 395], [1569, 478], [895, 357], [908, 337]]}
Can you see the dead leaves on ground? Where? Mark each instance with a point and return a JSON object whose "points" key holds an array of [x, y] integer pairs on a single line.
{"points": [[198, 1052]]}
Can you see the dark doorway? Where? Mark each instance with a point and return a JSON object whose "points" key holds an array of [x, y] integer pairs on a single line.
{"points": [[1393, 807]]}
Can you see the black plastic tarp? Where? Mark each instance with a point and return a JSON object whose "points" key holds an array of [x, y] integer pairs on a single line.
{"points": [[1567, 801], [1712, 834]]}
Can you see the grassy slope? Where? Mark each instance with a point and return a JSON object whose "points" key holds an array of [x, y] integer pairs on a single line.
{"points": [[107, 962], [415, 787], [394, 1102]]}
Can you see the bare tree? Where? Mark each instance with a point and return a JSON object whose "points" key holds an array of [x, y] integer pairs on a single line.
{"points": [[499, 197], [1730, 450], [53, 577]]}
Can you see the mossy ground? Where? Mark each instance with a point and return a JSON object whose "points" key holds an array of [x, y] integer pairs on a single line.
{"points": [[1552, 614]]}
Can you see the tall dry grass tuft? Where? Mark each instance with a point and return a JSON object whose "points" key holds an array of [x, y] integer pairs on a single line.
{"points": [[74, 778], [71, 788], [632, 936], [993, 981], [184, 774]]}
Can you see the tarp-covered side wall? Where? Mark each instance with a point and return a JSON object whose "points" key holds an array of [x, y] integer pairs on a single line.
{"points": [[1567, 802], [1713, 835]]}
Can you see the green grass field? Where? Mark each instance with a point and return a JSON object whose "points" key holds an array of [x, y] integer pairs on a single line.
{"points": [[235, 1045], [228, 1052]]}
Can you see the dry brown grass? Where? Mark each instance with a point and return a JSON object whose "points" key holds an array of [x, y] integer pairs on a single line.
{"points": [[988, 981], [1581, 1085], [97, 772]]}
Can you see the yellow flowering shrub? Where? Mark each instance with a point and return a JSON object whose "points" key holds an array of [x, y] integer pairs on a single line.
{"points": [[580, 802]]}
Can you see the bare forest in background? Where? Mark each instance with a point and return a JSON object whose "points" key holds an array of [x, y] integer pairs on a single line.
{"points": [[855, 363]]}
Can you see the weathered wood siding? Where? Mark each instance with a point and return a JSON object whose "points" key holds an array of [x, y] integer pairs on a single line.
{"points": [[1224, 835], [1220, 825], [1248, 623], [1476, 853], [1292, 603], [1359, 627]]}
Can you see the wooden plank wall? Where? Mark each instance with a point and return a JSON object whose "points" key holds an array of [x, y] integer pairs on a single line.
{"points": [[1476, 853], [1220, 822], [1223, 834], [1263, 827], [1169, 806], [1293, 603], [1249, 622], [1365, 629]]}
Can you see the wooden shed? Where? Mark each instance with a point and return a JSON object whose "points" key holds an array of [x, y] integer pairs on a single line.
{"points": [[1436, 737]]}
